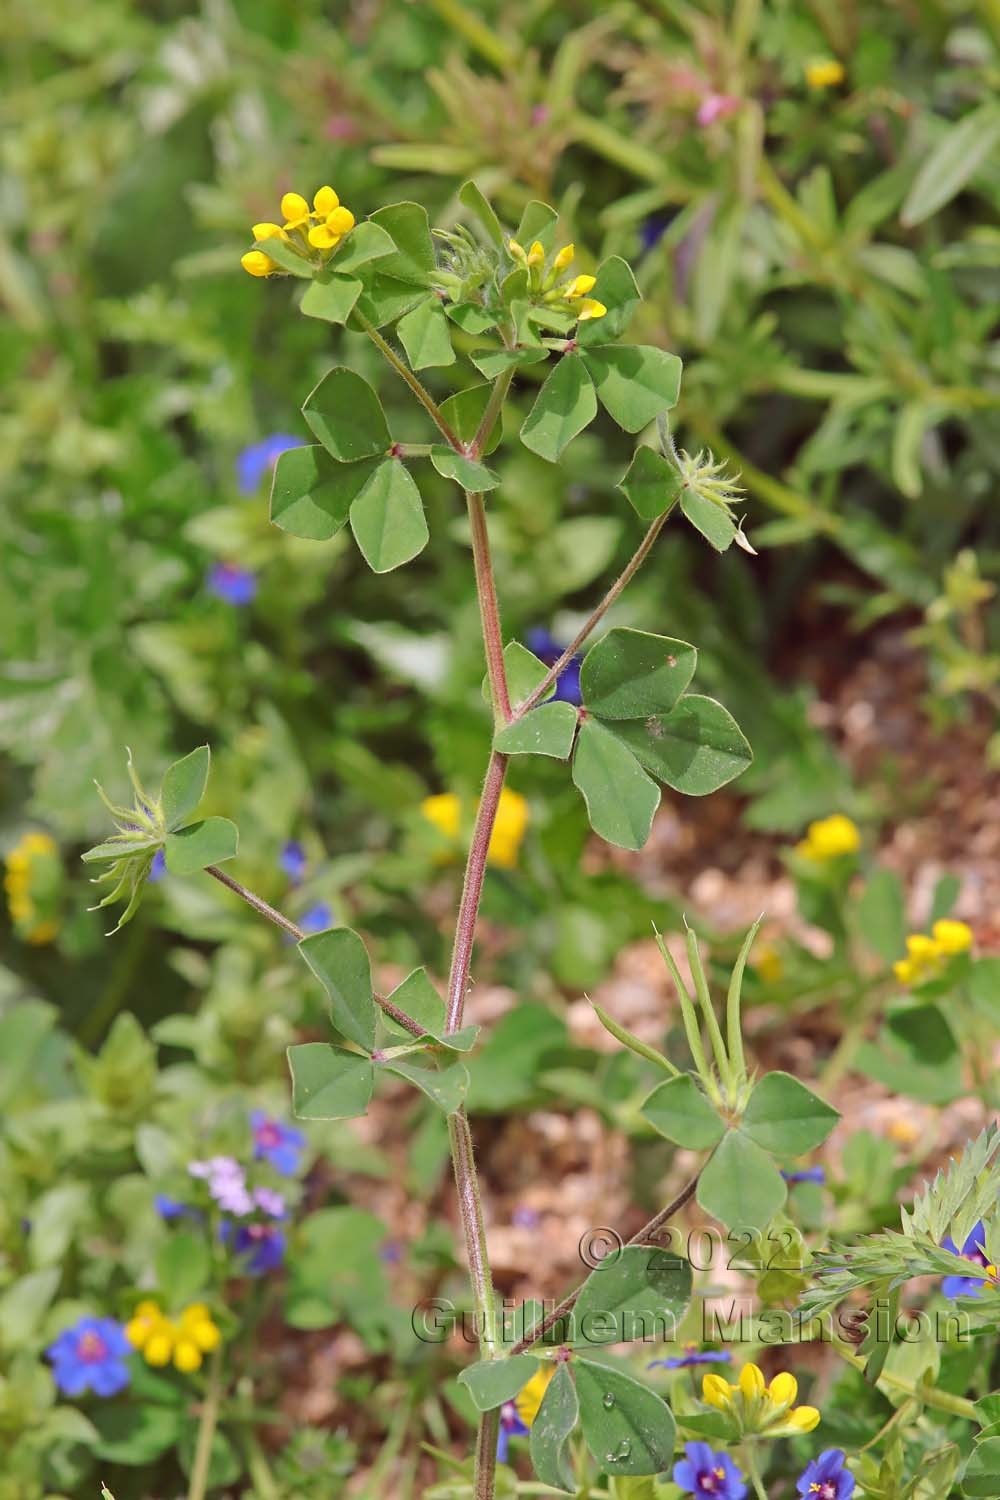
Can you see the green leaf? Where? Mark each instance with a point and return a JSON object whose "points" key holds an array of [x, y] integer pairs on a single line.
{"points": [[424, 335], [409, 229], [184, 786], [183, 1266], [634, 382], [471, 317], [651, 483], [284, 256], [785, 1117], [550, 1432], [201, 844], [339, 959], [982, 1472], [740, 1185], [882, 914], [465, 471], [419, 998], [385, 298], [628, 1428], [630, 674], [958, 155], [538, 222], [679, 1111], [713, 521], [491, 1382], [445, 1087], [471, 196], [915, 1054], [615, 287], [495, 361], [331, 298], [639, 1293], [135, 1433], [388, 518], [23, 1305], [563, 407], [546, 730], [312, 494], [524, 671], [367, 241], [329, 1083], [346, 415], [620, 797], [465, 410], [696, 748]]}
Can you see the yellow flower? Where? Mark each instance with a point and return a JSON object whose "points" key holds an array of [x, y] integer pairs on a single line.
{"points": [[197, 1326], [579, 286], [564, 258], [769, 963], [161, 1340], [295, 210], [445, 812], [903, 1132], [536, 255], [159, 1347], [508, 829], [529, 1398], [952, 937], [824, 73], [517, 251], [41, 933], [830, 838], [591, 308], [927, 956], [325, 201], [32, 882], [187, 1356], [268, 232], [328, 235], [258, 264], [755, 1407]]}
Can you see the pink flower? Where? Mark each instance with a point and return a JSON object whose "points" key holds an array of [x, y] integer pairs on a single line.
{"points": [[716, 107]]}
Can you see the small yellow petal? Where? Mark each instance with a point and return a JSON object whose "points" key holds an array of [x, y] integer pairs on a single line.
{"points": [[580, 285], [257, 263], [516, 250], [340, 220], [444, 812], [159, 1348], [752, 1380], [803, 1418], [322, 238], [187, 1356], [325, 201], [536, 255], [294, 207], [903, 971], [716, 1391], [783, 1389], [205, 1334], [529, 1398], [952, 937], [824, 73], [564, 258], [268, 232], [137, 1331], [590, 308]]}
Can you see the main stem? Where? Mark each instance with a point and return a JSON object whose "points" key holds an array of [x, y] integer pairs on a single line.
{"points": [[206, 1429]]}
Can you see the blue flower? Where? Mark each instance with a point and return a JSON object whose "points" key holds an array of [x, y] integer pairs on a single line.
{"points": [[260, 458], [232, 584], [293, 861], [703, 1472], [805, 1174], [173, 1208], [966, 1286], [91, 1356], [826, 1478], [548, 650], [692, 1356], [511, 1425], [263, 1245], [525, 1217], [317, 919], [158, 868], [391, 1253], [652, 230], [281, 1145]]}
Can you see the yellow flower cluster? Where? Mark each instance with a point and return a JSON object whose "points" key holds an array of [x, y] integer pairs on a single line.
{"points": [[829, 838], [572, 292], [321, 227], [513, 813], [824, 73], [161, 1340], [529, 1397], [927, 956], [756, 1407], [30, 860]]}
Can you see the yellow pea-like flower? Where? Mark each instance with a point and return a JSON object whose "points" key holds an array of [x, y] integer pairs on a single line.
{"points": [[716, 1390], [295, 210], [591, 308], [783, 1389], [829, 838], [752, 1381], [257, 263], [268, 232], [322, 237], [444, 811], [536, 255], [159, 1347], [325, 201], [579, 286], [511, 824], [803, 1418], [952, 937], [517, 251], [340, 220], [564, 258], [529, 1398], [824, 73], [187, 1356]]}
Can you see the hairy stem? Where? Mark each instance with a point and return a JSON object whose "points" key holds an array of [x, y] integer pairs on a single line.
{"points": [[206, 1429], [287, 925], [500, 388], [648, 1232], [472, 889], [489, 609], [486, 1455], [418, 388], [624, 578], [471, 1210]]}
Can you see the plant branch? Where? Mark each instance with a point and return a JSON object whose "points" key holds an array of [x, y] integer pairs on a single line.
{"points": [[624, 578], [206, 1429], [641, 1237], [500, 388], [418, 388], [471, 1210], [472, 890], [489, 609], [287, 925]]}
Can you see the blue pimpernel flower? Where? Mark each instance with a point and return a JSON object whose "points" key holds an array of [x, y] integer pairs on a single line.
{"points": [[966, 1286], [91, 1356], [826, 1478], [548, 650], [703, 1472], [262, 1246], [158, 868], [259, 459], [232, 584], [805, 1174], [293, 861], [279, 1144], [172, 1208], [511, 1425], [652, 230], [692, 1356], [317, 919]]}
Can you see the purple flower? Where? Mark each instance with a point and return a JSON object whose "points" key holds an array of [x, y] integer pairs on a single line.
{"points": [[158, 868], [652, 230], [293, 861], [173, 1208], [716, 107], [91, 1356], [703, 1472], [966, 1286], [805, 1174], [279, 1144], [317, 919], [226, 1182], [548, 650], [232, 584], [524, 1217], [391, 1253], [263, 1245], [260, 458], [270, 1202], [692, 1356], [826, 1478], [510, 1426]]}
